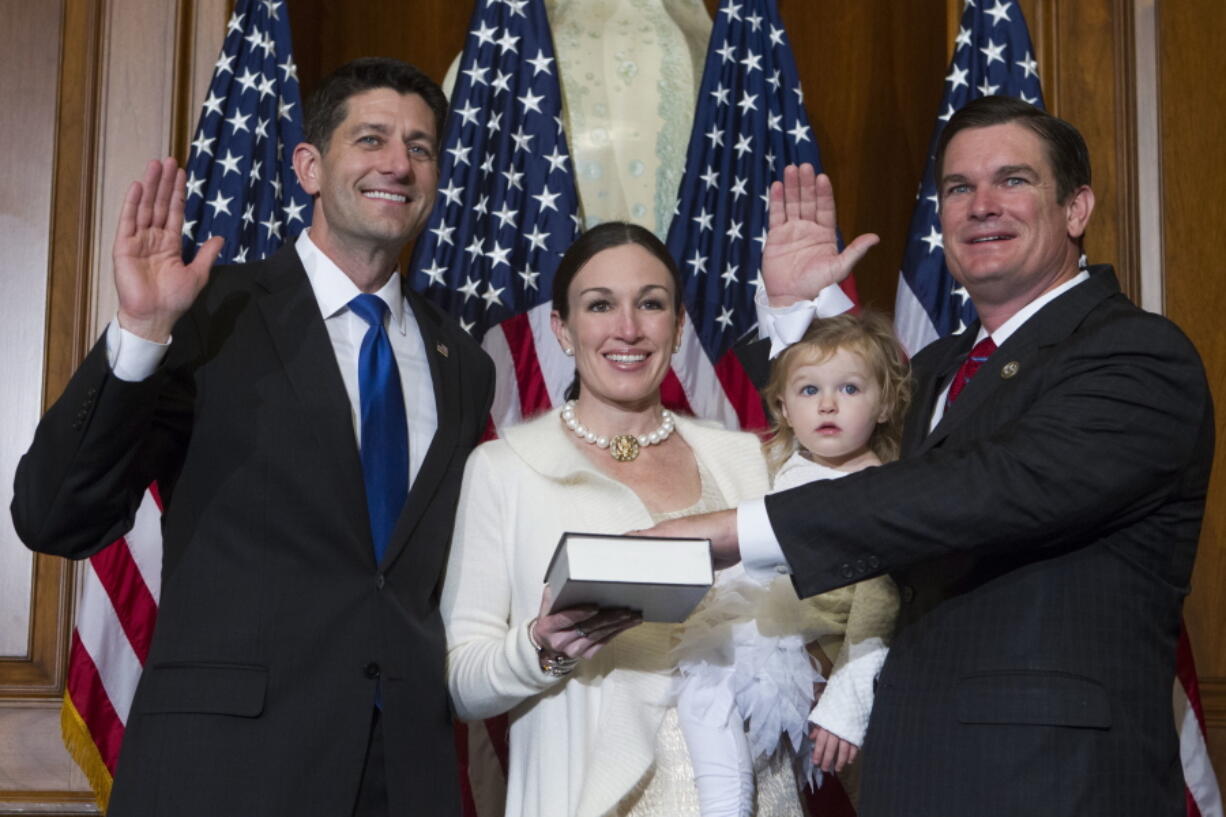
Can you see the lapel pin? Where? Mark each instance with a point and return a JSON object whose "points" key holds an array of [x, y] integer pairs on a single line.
{"points": [[441, 348], [1009, 369]]}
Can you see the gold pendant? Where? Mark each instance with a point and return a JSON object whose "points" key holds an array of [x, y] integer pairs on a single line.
{"points": [[624, 447]]}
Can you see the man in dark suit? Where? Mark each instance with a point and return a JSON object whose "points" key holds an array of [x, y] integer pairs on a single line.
{"points": [[298, 662], [1041, 526]]}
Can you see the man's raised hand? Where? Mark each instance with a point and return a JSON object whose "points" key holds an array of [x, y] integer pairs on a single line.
{"points": [[801, 256], [155, 287]]}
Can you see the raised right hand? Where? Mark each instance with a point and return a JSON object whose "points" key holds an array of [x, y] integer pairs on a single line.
{"points": [[155, 287]]}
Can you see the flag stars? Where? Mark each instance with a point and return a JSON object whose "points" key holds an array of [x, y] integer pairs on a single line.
{"points": [[986, 88], [494, 124], [721, 94], [725, 317], [254, 175], [436, 273], [270, 7], [752, 62], [776, 36], [698, 263], [716, 136], [963, 39], [261, 130], [220, 204], [733, 10], [443, 234], [202, 145], [248, 80], [993, 51], [272, 226], [711, 177], [469, 290], [451, 192], [523, 141], [735, 230], [293, 212], [999, 12], [475, 250], [800, 133], [502, 82], [537, 239], [269, 46], [514, 179], [224, 64], [738, 188], [547, 199], [195, 187], [747, 103], [506, 215], [540, 63], [235, 23], [498, 255], [774, 121], [729, 276], [485, 34], [468, 113], [268, 86], [949, 111], [213, 104], [744, 144], [229, 163], [774, 80], [529, 277], [1033, 100], [508, 43], [957, 75], [531, 101], [249, 215], [289, 69], [934, 240], [703, 220], [238, 122], [755, 21], [476, 75], [557, 159], [459, 154], [255, 38], [727, 53], [1029, 66], [491, 296]]}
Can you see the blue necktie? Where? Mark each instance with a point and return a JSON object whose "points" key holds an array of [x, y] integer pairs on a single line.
{"points": [[385, 436]]}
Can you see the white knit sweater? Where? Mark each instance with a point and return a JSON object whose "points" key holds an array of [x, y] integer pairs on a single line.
{"points": [[577, 745]]}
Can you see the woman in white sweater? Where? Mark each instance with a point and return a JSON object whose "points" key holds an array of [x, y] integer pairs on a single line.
{"points": [[593, 729]]}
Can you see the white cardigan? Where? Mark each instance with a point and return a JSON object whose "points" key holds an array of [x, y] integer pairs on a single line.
{"points": [[578, 745]]}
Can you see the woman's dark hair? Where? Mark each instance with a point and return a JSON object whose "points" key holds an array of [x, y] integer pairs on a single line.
{"points": [[603, 237]]}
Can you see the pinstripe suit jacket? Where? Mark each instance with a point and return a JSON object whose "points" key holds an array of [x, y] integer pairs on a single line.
{"points": [[1042, 537]]}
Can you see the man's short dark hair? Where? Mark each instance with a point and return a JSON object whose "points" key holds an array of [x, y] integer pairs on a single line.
{"points": [[325, 109], [1066, 149]]}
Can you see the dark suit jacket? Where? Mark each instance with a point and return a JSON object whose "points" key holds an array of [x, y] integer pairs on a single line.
{"points": [[1042, 537], [275, 622]]}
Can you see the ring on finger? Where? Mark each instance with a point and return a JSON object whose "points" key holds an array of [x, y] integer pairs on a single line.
{"points": [[582, 632]]}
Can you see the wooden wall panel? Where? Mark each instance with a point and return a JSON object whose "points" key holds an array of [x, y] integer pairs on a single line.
{"points": [[1192, 119]]}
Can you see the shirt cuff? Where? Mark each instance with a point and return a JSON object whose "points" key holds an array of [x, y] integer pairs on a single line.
{"points": [[131, 357], [784, 325], [761, 555]]}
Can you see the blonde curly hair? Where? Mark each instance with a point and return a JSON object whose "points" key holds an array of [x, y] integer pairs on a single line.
{"points": [[870, 336]]}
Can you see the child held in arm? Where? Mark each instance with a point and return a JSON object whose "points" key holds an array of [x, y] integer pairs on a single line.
{"points": [[836, 400]]}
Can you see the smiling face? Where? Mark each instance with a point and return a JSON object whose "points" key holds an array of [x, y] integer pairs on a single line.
{"points": [[622, 326], [1007, 238], [376, 182], [833, 406]]}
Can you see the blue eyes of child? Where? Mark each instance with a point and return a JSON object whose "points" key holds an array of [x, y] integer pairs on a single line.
{"points": [[846, 388]]}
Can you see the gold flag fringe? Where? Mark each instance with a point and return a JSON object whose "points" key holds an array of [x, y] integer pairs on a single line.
{"points": [[81, 746]]}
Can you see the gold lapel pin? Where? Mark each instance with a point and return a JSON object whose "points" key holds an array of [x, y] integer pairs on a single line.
{"points": [[442, 349], [1009, 369]]}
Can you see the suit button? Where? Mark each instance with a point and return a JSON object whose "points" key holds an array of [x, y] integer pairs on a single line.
{"points": [[908, 594], [874, 562], [847, 571], [380, 581], [92, 391], [371, 670], [861, 566]]}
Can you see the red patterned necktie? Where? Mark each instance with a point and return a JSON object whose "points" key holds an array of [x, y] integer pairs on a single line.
{"points": [[978, 356]]}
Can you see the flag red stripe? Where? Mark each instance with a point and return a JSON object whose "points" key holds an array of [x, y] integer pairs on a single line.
{"points": [[672, 394], [533, 394], [84, 687], [741, 392], [130, 596]]}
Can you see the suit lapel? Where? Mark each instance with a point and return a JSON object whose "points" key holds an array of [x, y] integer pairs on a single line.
{"points": [[291, 313], [928, 389], [445, 373], [1052, 324]]}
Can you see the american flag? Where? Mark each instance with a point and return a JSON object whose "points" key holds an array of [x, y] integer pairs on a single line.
{"points": [[242, 186], [240, 175], [992, 55], [750, 123], [507, 206]]}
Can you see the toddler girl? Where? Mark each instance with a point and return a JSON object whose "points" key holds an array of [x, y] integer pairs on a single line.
{"points": [[836, 400]]}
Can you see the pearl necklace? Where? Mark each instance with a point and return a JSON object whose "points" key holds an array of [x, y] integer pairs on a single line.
{"points": [[622, 447]]}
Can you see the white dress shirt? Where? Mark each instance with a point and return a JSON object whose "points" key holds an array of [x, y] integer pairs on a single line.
{"points": [[134, 358], [760, 551]]}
